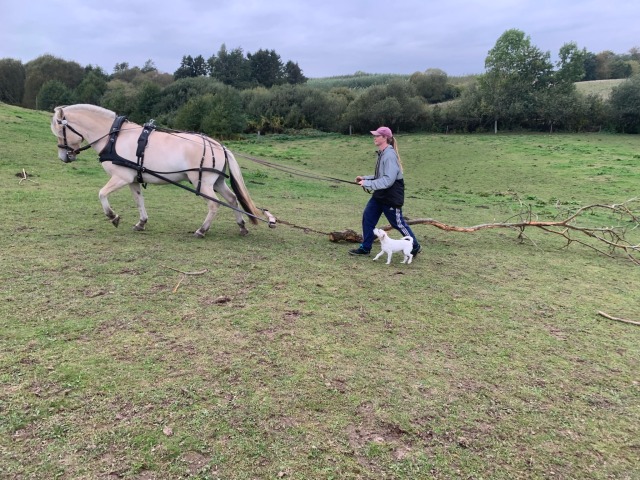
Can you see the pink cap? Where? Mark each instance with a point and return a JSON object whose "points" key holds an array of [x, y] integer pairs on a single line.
{"points": [[383, 131]]}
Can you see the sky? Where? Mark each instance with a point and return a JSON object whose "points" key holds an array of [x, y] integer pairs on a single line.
{"points": [[325, 38]]}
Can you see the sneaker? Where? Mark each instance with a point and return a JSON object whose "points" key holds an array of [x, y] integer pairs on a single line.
{"points": [[359, 251], [416, 250]]}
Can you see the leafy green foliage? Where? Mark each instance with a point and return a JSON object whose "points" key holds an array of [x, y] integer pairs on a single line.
{"points": [[46, 68], [625, 105], [218, 115], [266, 67], [54, 93], [192, 67], [12, 77], [521, 89], [516, 70], [434, 86], [231, 68], [92, 87]]}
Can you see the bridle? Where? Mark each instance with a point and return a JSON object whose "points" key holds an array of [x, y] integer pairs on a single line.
{"points": [[69, 149]]}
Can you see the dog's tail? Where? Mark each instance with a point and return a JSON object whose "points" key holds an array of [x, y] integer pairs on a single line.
{"points": [[408, 238]]}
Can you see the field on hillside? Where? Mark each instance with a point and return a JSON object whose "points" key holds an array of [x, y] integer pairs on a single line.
{"points": [[284, 357], [601, 88]]}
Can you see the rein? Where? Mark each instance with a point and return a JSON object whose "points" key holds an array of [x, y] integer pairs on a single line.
{"points": [[293, 171], [75, 151]]}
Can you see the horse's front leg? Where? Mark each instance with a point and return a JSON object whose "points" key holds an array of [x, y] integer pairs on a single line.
{"points": [[114, 183], [139, 199], [213, 210]]}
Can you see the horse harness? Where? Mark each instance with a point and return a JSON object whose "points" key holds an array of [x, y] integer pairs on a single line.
{"points": [[109, 154]]}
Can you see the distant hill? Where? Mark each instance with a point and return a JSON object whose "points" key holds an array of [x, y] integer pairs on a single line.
{"points": [[364, 80], [599, 87]]}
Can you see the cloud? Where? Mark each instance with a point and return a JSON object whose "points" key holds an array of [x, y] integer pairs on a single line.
{"points": [[325, 39]]}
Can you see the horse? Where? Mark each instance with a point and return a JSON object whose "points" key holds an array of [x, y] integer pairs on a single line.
{"points": [[170, 157]]}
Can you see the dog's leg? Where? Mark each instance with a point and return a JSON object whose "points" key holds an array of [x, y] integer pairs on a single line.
{"points": [[389, 257], [410, 257], [378, 255]]}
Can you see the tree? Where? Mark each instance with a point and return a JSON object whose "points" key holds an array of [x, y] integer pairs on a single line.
{"points": [[230, 68], [590, 67], [120, 67], [92, 87], [145, 102], [218, 114], [149, 66], [175, 95], [374, 107], [266, 67], [625, 105], [570, 64], [46, 68], [515, 71], [54, 93], [433, 85], [293, 74], [225, 117], [119, 97], [604, 62], [12, 77], [192, 67], [126, 74]]}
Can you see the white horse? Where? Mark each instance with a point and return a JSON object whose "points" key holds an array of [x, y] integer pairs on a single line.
{"points": [[169, 157]]}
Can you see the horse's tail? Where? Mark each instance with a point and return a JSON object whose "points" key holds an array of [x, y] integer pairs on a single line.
{"points": [[240, 189]]}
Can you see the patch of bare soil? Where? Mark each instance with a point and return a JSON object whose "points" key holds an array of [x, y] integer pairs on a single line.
{"points": [[195, 462], [373, 431]]}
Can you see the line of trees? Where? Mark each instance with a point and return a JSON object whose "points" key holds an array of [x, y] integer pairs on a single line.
{"points": [[263, 68], [232, 93]]}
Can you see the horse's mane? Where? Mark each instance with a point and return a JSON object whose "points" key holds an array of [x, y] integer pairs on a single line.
{"points": [[93, 108]]}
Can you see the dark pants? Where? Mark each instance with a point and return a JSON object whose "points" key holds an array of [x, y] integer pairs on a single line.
{"points": [[370, 217]]}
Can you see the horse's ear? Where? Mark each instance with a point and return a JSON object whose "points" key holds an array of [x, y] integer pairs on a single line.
{"points": [[58, 112]]}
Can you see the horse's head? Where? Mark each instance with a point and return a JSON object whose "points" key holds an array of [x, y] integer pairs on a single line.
{"points": [[69, 139]]}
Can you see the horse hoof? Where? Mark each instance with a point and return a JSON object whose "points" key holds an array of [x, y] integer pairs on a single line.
{"points": [[244, 232], [116, 221], [198, 234], [138, 228], [272, 224]]}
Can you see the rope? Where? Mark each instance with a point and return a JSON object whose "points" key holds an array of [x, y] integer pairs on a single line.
{"points": [[292, 170]]}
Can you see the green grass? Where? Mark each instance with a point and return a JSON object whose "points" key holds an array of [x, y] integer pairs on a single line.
{"points": [[485, 358]]}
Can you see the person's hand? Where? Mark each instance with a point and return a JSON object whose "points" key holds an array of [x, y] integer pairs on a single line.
{"points": [[359, 180]]}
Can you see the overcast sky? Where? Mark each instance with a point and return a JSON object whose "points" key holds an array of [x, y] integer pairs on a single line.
{"points": [[325, 38]]}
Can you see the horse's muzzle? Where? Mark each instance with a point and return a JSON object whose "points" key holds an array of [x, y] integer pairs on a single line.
{"points": [[68, 157]]}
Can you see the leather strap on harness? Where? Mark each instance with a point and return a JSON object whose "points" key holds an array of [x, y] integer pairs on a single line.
{"points": [[147, 128], [109, 154]]}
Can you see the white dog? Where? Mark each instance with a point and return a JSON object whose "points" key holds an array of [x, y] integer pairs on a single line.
{"points": [[390, 246]]}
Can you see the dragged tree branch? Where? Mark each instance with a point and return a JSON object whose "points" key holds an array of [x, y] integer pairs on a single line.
{"points": [[604, 240]]}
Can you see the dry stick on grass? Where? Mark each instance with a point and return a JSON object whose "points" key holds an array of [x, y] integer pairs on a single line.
{"points": [[25, 178], [623, 320], [611, 238], [184, 275]]}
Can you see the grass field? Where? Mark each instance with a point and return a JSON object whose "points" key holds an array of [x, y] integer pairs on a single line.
{"points": [[601, 88], [484, 359]]}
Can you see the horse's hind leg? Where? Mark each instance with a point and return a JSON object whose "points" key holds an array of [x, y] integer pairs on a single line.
{"points": [[139, 199], [213, 210], [222, 188], [114, 183]]}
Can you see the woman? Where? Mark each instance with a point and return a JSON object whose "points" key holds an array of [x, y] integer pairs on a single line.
{"points": [[387, 186]]}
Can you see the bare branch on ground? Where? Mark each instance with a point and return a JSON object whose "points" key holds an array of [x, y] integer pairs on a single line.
{"points": [[607, 240]]}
